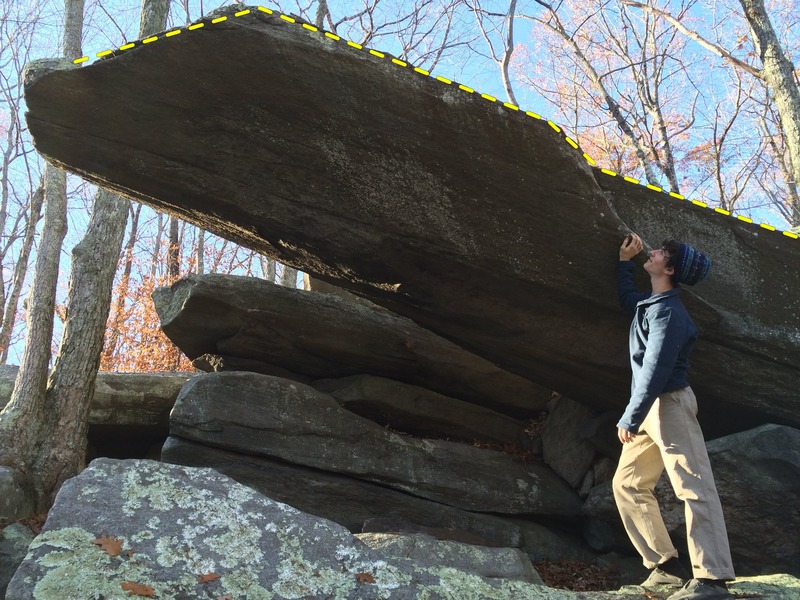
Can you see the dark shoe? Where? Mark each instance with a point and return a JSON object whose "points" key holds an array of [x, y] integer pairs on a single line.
{"points": [[670, 572], [702, 590], [659, 577]]}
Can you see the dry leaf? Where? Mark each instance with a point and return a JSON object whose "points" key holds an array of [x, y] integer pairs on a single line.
{"points": [[225, 597], [207, 578], [112, 546], [364, 578], [138, 589]]}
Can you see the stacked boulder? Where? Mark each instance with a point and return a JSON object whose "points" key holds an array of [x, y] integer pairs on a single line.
{"points": [[362, 417]]}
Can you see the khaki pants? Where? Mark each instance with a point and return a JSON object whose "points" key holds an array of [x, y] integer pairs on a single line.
{"points": [[670, 438]]}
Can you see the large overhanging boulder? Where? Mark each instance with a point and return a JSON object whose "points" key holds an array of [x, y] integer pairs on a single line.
{"points": [[479, 222]]}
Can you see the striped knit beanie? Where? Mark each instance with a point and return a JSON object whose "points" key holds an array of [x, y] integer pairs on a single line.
{"points": [[691, 265]]}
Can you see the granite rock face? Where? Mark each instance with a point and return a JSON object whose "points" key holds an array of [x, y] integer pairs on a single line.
{"points": [[420, 412], [564, 450], [140, 400], [260, 415], [255, 325], [473, 219]]}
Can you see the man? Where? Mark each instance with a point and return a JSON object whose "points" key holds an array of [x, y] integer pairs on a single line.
{"points": [[659, 428]]}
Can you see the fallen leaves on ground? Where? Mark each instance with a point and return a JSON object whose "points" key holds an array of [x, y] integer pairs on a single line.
{"points": [[364, 578], [207, 577], [577, 576], [112, 546], [138, 589], [225, 597]]}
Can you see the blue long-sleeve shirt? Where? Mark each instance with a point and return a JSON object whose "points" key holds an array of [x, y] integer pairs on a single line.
{"points": [[661, 339]]}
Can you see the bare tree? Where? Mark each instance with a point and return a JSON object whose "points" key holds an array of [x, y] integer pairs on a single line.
{"points": [[44, 426], [777, 72]]}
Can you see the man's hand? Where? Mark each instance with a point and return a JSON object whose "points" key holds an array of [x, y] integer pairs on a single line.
{"points": [[630, 247], [624, 435]]}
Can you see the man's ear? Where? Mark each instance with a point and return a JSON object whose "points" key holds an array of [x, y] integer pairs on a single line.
{"points": [[670, 271]]}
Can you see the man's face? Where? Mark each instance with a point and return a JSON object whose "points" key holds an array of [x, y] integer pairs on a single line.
{"points": [[657, 263]]}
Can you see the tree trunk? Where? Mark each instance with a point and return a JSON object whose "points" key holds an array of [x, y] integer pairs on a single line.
{"points": [[44, 432], [174, 252], [22, 419], [200, 251], [122, 293], [71, 386], [778, 73], [155, 258], [20, 269], [267, 268], [289, 277]]}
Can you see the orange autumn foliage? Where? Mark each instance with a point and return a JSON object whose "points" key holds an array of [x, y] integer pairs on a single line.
{"points": [[141, 346]]}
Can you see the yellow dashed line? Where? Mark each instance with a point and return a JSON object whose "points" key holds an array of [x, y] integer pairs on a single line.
{"points": [[447, 81]]}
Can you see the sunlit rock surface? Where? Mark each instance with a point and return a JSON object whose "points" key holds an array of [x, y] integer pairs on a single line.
{"points": [[176, 524]]}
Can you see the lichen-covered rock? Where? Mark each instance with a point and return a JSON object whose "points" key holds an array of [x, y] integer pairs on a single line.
{"points": [[267, 416], [506, 563], [175, 524], [16, 495], [14, 541], [346, 500]]}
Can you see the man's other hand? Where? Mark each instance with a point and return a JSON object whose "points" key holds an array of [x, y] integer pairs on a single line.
{"points": [[630, 247], [624, 435]]}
